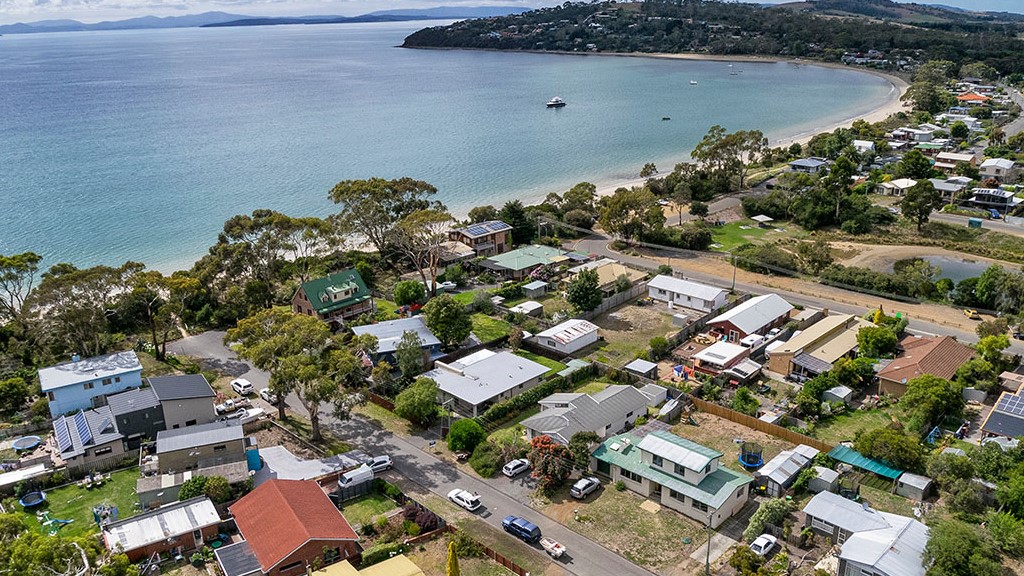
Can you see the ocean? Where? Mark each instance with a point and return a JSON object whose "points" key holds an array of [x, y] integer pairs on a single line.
{"points": [[140, 144]]}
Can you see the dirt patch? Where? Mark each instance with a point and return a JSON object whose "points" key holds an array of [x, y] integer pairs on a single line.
{"points": [[274, 436], [722, 435], [883, 257]]}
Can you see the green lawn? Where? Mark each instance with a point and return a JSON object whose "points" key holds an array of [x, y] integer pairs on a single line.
{"points": [[508, 432], [554, 366], [487, 328], [845, 426], [465, 298], [74, 503], [592, 387], [365, 508], [732, 235]]}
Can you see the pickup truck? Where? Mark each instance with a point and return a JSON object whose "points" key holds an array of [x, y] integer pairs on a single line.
{"points": [[230, 405]]}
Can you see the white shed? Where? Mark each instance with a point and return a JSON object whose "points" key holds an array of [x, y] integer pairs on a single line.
{"points": [[568, 337]]}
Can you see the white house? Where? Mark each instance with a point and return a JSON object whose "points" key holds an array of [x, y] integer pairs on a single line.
{"points": [[475, 382], [719, 357], [863, 146], [1001, 169], [809, 165], [896, 187], [947, 161], [568, 337], [607, 412], [679, 292]]}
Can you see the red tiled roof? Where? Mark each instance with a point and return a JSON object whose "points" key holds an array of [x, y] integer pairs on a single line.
{"points": [[281, 515], [938, 356], [972, 97]]}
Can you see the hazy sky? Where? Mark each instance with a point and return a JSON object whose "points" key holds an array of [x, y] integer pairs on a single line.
{"points": [[97, 10]]}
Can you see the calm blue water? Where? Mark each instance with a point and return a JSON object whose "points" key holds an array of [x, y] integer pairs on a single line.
{"points": [[139, 144]]}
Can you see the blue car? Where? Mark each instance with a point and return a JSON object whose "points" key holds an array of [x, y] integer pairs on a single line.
{"points": [[521, 528]]}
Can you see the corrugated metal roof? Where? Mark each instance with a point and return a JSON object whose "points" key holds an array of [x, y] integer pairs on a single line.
{"points": [[686, 287], [897, 550], [854, 458], [846, 514], [238, 560], [390, 333], [916, 480], [756, 313], [132, 401], [181, 387], [678, 450], [486, 378], [169, 521], [784, 467], [201, 435], [569, 331], [88, 369]]}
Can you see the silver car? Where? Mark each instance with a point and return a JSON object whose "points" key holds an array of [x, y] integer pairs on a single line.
{"points": [[583, 487], [380, 463], [516, 467]]}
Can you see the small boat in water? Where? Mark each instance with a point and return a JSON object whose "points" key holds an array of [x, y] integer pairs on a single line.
{"points": [[666, 118], [693, 82], [556, 102]]}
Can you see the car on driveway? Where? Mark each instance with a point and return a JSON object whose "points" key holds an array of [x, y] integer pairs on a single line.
{"points": [[515, 467], [583, 487], [464, 498], [380, 463], [242, 386], [763, 544], [521, 528], [268, 396], [236, 415]]}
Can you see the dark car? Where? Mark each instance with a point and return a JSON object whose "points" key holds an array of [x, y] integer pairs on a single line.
{"points": [[521, 528]]}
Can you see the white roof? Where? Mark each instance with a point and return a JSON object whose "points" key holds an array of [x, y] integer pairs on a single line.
{"points": [[762, 219], [827, 474], [955, 157], [535, 285], [720, 353], [680, 286], [527, 307], [915, 480], [640, 365], [998, 163], [863, 144], [755, 313], [161, 524], [88, 369], [478, 378], [787, 464], [901, 183], [844, 513], [390, 333], [569, 330], [675, 453], [896, 550]]}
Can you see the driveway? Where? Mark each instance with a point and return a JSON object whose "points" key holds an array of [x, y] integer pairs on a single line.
{"points": [[209, 350]]}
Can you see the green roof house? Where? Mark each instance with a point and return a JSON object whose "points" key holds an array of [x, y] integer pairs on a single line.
{"points": [[335, 298], [676, 473]]}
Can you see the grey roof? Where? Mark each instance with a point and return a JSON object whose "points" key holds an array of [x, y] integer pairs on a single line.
{"points": [[640, 365], [535, 285], [88, 369], [784, 467], [281, 464], [390, 333], [201, 435], [895, 550], [652, 390], [755, 313], [846, 514], [569, 330], [809, 162], [181, 387], [132, 401], [161, 524], [915, 480], [678, 450], [686, 287], [812, 363], [85, 429], [238, 560], [585, 412], [487, 376], [954, 451], [827, 474], [1004, 424], [840, 391], [946, 185]]}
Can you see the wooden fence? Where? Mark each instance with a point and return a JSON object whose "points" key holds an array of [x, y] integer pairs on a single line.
{"points": [[106, 464], [759, 425], [25, 429], [616, 300], [381, 401], [697, 325], [496, 556]]}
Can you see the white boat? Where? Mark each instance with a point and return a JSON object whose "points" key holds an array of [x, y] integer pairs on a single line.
{"points": [[556, 102], [693, 82]]}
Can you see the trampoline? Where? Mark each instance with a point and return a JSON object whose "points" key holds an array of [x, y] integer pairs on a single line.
{"points": [[32, 499], [26, 443]]}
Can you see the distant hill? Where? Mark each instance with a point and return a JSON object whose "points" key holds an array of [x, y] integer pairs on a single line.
{"points": [[909, 13], [225, 19]]}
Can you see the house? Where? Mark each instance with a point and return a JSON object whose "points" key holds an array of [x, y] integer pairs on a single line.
{"points": [[1003, 170], [679, 292], [950, 188], [973, 99], [873, 542], [395, 566], [914, 486], [815, 349], [743, 372], [825, 480], [956, 115], [390, 333], [335, 299], [609, 411], [288, 526], [568, 337], [676, 473], [994, 198], [138, 415], [483, 378], [83, 384], [809, 165], [1007, 417], [87, 437], [948, 161], [535, 289], [719, 357], [485, 238], [528, 308], [519, 263], [863, 146], [202, 446], [755, 316], [608, 273], [1011, 380], [896, 187], [643, 368], [779, 473], [936, 355], [174, 529], [186, 400], [452, 252], [908, 134]]}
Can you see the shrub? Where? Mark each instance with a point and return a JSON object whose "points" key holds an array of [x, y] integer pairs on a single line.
{"points": [[465, 546], [418, 403], [411, 528], [620, 485], [485, 459], [381, 552], [501, 410], [465, 434], [770, 512], [408, 292], [660, 347]]}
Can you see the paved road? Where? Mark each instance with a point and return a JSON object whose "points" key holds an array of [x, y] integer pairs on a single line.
{"points": [[996, 225], [500, 496], [1017, 126]]}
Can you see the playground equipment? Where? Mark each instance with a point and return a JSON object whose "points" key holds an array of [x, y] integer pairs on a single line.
{"points": [[104, 514], [52, 525], [26, 443], [849, 487], [32, 499], [751, 455]]}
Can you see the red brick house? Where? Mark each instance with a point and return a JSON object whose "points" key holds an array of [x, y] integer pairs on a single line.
{"points": [[287, 525], [176, 528], [755, 316], [937, 355]]}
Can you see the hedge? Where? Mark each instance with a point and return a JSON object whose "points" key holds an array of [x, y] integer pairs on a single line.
{"points": [[381, 552], [516, 404]]}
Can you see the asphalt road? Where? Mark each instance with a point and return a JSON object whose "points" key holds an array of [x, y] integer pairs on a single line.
{"points": [[500, 496]]}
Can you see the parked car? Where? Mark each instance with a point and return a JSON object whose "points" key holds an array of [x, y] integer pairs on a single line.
{"points": [[269, 396], [763, 544], [521, 528], [242, 386], [464, 498], [774, 332], [380, 463], [225, 407], [356, 476], [515, 467], [583, 487], [236, 415], [447, 286]]}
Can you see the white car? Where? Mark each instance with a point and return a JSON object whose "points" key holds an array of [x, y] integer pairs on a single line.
{"points": [[268, 396], [242, 386], [465, 499], [447, 286], [583, 487], [237, 414], [516, 467], [224, 407], [763, 544], [380, 463]]}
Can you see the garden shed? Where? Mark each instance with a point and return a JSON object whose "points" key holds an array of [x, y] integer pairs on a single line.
{"points": [[825, 480], [914, 486]]}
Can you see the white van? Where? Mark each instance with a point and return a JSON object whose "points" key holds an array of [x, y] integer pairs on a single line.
{"points": [[752, 341], [355, 477]]}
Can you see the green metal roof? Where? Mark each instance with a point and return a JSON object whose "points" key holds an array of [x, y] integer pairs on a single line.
{"points": [[929, 146], [321, 292], [858, 460], [527, 257], [713, 490]]}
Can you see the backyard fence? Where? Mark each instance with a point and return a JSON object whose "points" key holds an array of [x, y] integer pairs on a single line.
{"points": [[759, 425], [23, 429], [381, 401], [109, 463], [616, 300], [496, 556]]}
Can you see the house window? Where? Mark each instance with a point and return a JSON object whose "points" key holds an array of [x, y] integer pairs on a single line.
{"points": [[677, 495], [191, 423], [88, 385], [707, 468], [739, 493], [289, 567], [680, 470], [331, 555], [117, 378], [657, 461], [630, 475], [102, 451], [220, 448], [107, 381], [629, 414], [821, 525], [49, 396], [699, 505]]}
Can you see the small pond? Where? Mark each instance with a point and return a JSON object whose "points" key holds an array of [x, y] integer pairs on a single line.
{"points": [[956, 269]]}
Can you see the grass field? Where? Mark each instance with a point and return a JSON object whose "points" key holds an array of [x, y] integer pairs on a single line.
{"points": [[303, 429], [593, 387], [487, 328], [74, 503], [734, 234], [553, 366], [845, 426], [365, 508], [465, 298]]}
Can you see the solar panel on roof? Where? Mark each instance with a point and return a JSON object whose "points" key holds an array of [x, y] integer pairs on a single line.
{"points": [[60, 426], [105, 425], [477, 230], [1011, 404], [83, 428]]}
